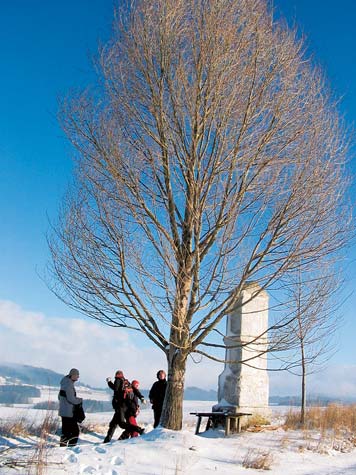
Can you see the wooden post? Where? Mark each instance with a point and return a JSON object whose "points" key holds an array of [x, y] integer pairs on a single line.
{"points": [[198, 425]]}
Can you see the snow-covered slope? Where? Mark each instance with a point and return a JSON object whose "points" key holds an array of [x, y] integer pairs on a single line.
{"points": [[164, 452]]}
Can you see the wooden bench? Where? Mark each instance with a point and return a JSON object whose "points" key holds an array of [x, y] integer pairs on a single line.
{"points": [[231, 420]]}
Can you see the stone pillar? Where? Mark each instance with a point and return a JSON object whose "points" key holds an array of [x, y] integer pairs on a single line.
{"points": [[245, 387]]}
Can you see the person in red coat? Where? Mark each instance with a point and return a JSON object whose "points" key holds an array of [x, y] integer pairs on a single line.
{"points": [[119, 403], [133, 409]]}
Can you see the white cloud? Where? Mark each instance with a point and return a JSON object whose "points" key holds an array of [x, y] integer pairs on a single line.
{"points": [[61, 343], [97, 350]]}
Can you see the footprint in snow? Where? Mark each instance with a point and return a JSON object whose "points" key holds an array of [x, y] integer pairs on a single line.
{"points": [[116, 461], [100, 450], [76, 449], [88, 469], [71, 458]]}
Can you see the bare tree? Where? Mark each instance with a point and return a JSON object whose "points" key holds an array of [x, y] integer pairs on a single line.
{"points": [[315, 298], [209, 154]]}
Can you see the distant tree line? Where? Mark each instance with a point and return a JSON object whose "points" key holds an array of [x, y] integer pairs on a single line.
{"points": [[311, 400], [18, 394], [90, 405]]}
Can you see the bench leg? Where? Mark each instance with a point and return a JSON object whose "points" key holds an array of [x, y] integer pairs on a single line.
{"points": [[198, 425], [239, 424], [233, 426], [227, 426]]}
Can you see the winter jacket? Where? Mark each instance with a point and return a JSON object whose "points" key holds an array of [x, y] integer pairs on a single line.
{"points": [[138, 394], [132, 405], [157, 393], [67, 402], [118, 387]]}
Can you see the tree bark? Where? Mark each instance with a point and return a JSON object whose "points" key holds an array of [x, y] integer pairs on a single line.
{"points": [[172, 413]]}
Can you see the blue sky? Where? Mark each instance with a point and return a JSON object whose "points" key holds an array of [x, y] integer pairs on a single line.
{"points": [[45, 49]]}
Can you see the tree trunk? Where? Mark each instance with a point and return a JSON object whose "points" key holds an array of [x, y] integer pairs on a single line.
{"points": [[304, 391], [172, 413]]}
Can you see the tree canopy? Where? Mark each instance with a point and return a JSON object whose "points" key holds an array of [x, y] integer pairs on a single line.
{"points": [[209, 154]]}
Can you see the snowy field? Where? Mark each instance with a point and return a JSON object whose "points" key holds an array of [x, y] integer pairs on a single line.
{"points": [[164, 452], [50, 393]]}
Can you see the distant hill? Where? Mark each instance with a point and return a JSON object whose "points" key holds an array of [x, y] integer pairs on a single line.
{"points": [[25, 374], [196, 394], [13, 373], [17, 374], [19, 384], [18, 394], [312, 400]]}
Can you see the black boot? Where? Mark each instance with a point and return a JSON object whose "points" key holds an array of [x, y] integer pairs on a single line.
{"points": [[125, 435]]}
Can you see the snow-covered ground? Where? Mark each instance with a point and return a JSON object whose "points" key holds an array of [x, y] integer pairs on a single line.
{"points": [[164, 452], [50, 393]]}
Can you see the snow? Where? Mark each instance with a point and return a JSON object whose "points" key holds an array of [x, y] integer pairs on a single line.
{"points": [[164, 452], [50, 393]]}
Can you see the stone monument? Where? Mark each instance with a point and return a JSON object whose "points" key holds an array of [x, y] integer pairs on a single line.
{"points": [[245, 387]]}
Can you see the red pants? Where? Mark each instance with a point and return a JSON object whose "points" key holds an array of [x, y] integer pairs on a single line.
{"points": [[126, 434], [132, 420]]}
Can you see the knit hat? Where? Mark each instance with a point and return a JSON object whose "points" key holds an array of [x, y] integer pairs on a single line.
{"points": [[135, 383], [74, 372]]}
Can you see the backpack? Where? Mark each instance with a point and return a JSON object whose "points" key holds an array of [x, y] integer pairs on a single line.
{"points": [[131, 401], [127, 390], [124, 393]]}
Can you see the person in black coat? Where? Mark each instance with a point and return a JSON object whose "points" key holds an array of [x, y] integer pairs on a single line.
{"points": [[119, 404], [157, 394]]}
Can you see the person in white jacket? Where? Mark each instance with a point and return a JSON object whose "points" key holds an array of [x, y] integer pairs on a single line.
{"points": [[67, 400]]}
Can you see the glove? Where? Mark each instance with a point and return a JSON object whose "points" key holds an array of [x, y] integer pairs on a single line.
{"points": [[108, 380], [143, 401]]}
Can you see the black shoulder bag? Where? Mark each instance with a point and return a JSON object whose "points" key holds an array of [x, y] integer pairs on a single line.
{"points": [[78, 411]]}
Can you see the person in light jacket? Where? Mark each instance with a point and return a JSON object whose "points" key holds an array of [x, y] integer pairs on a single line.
{"points": [[67, 400]]}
